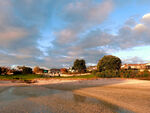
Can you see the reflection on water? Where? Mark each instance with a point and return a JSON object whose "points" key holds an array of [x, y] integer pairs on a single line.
{"points": [[34, 91], [37, 99]]}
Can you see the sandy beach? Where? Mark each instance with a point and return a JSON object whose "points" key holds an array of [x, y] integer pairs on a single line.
{"points": [[133, 95], [129, 94]]}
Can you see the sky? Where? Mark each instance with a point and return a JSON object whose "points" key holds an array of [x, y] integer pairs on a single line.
{"points": [[53, 33]]}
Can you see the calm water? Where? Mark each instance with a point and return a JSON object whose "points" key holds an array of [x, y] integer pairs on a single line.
{"points": [[38, 99]]}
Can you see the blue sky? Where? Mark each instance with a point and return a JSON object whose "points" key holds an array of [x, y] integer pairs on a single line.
{"points": [[54, 33]]}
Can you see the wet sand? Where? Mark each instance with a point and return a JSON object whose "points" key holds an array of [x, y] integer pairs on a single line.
{"points": [[76, 96], [39, 99]]}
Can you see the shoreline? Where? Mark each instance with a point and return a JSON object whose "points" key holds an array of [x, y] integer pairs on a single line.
{"points": [[49, 81]]}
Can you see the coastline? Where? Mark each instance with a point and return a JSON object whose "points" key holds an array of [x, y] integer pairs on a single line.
{"points": [[51, 81]]}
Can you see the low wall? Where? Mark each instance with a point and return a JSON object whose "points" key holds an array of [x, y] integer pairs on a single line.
{"points": [[64, 75], [67, 75]]}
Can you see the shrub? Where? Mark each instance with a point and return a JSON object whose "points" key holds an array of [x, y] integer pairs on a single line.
{"points": [[17, 72], [108, 74], [146, 73], [123, 74], [100, 74], [130, 73], [94, 72]]}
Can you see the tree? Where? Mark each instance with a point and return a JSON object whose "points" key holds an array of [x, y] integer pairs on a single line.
{"points": [[25, 70], [0, 70], [109, 62], [79, 65], [4, 70], [36, 69]]}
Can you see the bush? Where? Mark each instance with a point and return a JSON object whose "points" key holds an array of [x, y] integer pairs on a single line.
{"points": [[108, 74], [133, 73], [129, 73], [100, 74], [146, 73], [17, 72], [122, 74], [94, 72]]}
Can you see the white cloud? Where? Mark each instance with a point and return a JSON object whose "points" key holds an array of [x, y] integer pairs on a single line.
{"points": [[146, 18], [140, 28]]}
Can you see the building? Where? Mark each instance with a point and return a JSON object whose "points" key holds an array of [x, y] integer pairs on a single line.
{"points": [[54, 72], [63, 70], [140, 67], [71, 69], [10, 72], [148, 66]]}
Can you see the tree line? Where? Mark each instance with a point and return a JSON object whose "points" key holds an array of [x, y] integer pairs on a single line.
{"points": [[20, 70], [107, 66], [108, 62], [110, 66]]}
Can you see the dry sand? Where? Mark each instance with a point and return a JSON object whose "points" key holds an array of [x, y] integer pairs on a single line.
{"points": [[133, 95]]}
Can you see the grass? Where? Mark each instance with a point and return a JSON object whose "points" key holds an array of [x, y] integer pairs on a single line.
{"points": [[20, 77], [29, 77], [34, 76]]}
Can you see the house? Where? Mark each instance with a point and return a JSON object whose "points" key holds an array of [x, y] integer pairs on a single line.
{"points": [[10, 72], [71, 69], [63, 70], [45, 71], [140, 67], [54, 72], [40, 71]]}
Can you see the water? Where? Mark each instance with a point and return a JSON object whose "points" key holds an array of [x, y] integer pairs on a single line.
{"points": [[38, 99]]}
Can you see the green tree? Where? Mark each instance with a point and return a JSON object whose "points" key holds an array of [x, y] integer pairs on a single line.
{"points": [[25, 70], [0, 70], [109, 62], [79, 65]]}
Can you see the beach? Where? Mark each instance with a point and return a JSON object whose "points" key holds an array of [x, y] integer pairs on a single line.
{"points": [[76, 96], [133, 95]]}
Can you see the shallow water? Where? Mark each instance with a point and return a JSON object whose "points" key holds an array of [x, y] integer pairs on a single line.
{"points": [[38, 99]]}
